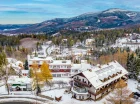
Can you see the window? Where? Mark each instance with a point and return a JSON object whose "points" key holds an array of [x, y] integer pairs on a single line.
{"points": [[79, 97], [58, 75], [65, 74], [82, 97], [54, 75], [24, 89]]}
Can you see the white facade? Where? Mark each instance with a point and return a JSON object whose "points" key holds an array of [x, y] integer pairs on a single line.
{"points": [[89, 42]]}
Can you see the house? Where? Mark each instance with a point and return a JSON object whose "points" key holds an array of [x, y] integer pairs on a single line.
{"points": [[59, 68], [25, 72], [89, 42], [20, 84], [15, 64], [98, 81]]}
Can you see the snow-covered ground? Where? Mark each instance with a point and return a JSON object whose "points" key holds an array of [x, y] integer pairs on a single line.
{"points": [[132, 85], [21, 100], [66, 98], [3, 90], [125, 42]]}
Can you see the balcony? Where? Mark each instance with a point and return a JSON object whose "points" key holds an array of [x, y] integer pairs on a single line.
{"points": [[82, 83], [60, 70], [103, 89], [79, 90]]}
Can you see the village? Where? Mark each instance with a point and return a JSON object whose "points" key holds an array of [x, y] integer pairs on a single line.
{"points": [[71, 77]]}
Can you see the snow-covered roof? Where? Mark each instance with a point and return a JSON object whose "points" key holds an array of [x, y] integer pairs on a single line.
{"points": [[25, 71], [48, 42], [17, 80], [11, 60], [18, 63], [96, 74], [32, 58], [81, 67], [89, 40], [61, 62], [76, 66]]}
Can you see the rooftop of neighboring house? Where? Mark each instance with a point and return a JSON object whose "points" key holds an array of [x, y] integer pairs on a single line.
{"points": [[25, 71], [90, 40], [33, 58], [81, 66], [61, 62], [96, 74], [52, 61], [15, 64], [17, 80]]}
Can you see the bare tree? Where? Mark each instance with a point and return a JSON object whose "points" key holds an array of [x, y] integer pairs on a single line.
{"points": [[61, 84], [50, 84], [4, 74], [4, 70]]}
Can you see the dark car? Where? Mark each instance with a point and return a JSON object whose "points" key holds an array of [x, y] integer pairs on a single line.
{"points": [[136, 94]]}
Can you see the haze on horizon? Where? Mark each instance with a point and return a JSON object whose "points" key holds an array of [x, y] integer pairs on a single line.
{"points": [[35, 11]]}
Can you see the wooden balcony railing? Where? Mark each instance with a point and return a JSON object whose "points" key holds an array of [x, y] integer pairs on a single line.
{"points": [[82, 83], [112, 86]]}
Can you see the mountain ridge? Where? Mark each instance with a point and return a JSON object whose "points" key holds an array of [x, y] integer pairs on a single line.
{"points": [[110, 18]]}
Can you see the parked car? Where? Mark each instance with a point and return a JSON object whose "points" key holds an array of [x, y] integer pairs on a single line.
{"points": [[136, 93]]}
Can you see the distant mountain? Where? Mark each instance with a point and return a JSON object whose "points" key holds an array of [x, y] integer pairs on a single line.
{"points": [[12, 27], [111, 18]]}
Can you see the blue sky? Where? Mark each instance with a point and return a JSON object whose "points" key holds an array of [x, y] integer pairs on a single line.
{"points": [[34, 11]]}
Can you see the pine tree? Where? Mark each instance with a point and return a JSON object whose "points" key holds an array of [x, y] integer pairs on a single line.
{"points": [[137, 70], [46, 73], [130, 62], [26, 65]]}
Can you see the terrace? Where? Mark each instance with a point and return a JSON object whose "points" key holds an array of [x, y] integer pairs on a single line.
{"points": [[80, 90]]}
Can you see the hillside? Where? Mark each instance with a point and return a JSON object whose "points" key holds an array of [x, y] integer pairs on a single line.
{"points": [[111, 18], [28, 43]]}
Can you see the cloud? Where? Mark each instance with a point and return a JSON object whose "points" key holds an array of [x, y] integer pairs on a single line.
{"points": [[7, 8], [42, 0], [37, 8]]}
